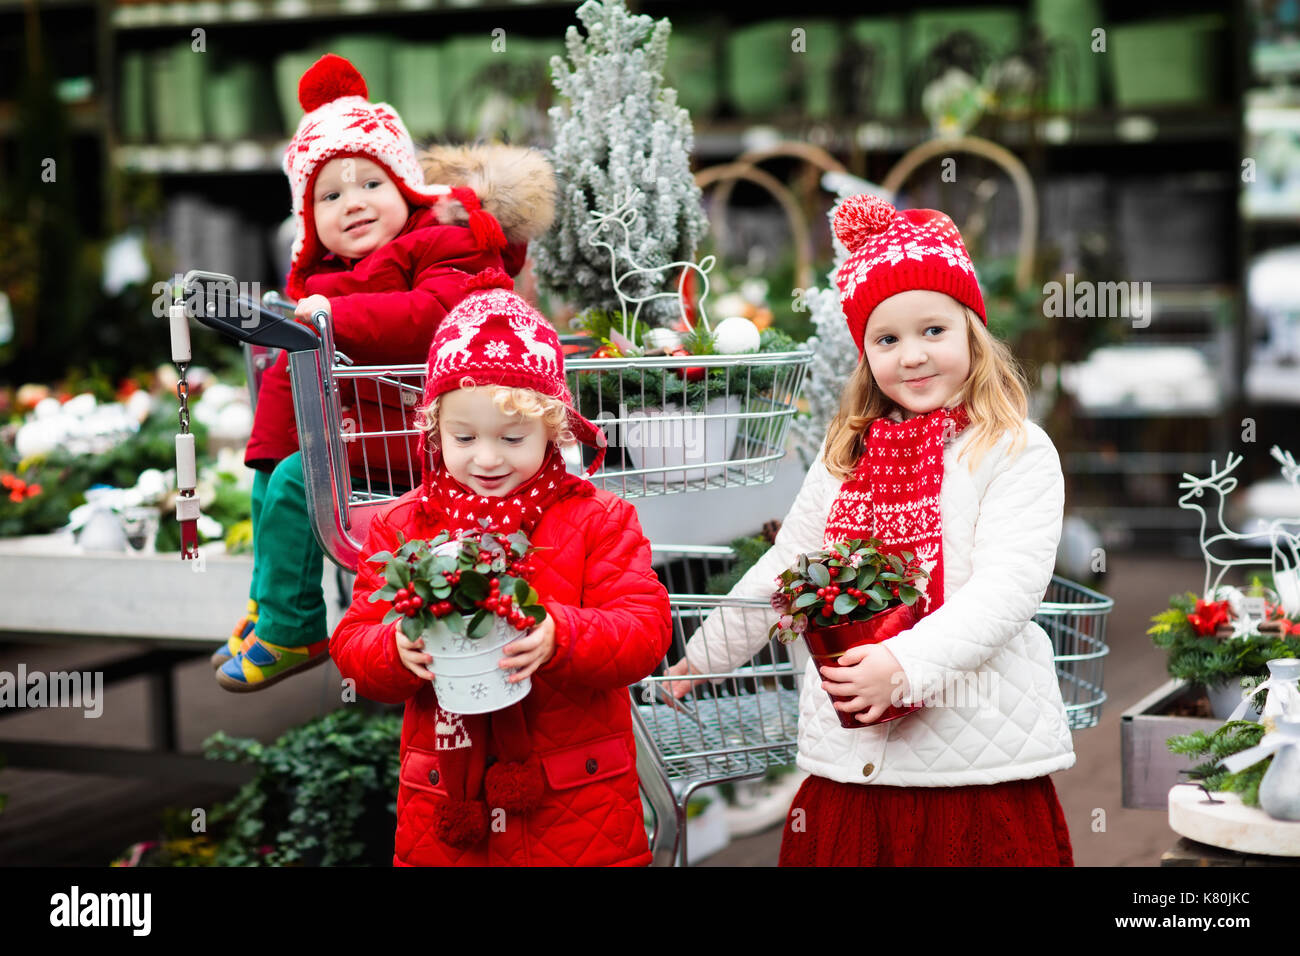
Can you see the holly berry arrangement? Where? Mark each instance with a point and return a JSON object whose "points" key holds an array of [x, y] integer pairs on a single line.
{"points": [[464, 582], [851, 581]]}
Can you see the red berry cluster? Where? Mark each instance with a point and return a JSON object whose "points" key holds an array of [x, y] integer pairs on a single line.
{"points": [[505, 607], [407, 602]]}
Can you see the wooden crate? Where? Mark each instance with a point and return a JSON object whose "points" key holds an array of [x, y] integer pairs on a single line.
{"points": [[1148, 768]]}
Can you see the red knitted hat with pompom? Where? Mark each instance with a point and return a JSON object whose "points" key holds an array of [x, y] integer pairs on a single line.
{"points": [[495, 337], [893, 251], [339, 122]]}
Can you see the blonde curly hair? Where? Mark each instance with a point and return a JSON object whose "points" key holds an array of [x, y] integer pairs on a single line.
{"points": [[553, 413]]}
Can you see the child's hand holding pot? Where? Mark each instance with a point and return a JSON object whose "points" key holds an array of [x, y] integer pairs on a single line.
{"points": [[412, 654], [530, 652], [869, 674]]}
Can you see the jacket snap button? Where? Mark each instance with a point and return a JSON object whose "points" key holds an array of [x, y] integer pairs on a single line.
{"points": [[868, 769], [591, 765], [433, 777], [409, 398]]}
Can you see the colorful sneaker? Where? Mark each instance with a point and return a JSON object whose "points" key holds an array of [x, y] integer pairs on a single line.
{"points": [[238, 637], [260, 663]]}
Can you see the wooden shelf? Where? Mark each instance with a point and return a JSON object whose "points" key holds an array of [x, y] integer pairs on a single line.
{"points": [[137, 16]]}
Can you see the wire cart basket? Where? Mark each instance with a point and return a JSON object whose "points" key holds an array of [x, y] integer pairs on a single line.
{"points": [[745, 720], [670, 427]]}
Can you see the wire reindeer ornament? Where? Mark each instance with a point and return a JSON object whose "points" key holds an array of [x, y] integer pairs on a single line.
{"points": [[1284, 544], [621, 219]]}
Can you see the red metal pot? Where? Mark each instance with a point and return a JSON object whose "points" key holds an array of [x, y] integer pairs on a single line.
{"points": [[826, 644]]}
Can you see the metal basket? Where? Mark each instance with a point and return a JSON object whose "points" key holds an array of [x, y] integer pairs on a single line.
{"points": [[732, 432], [689, 423], [745, 721], [1074, 617]]}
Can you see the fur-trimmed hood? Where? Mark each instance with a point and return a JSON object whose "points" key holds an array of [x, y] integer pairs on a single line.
{"points": [[514, 183]]}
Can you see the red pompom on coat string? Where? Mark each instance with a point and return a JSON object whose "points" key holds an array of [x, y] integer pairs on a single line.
{"points": [[327, 79], [483, 225], [861, 217]]}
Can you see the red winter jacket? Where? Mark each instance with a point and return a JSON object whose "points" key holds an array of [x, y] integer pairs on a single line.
{"points": [[612, 627], [385, 308]]}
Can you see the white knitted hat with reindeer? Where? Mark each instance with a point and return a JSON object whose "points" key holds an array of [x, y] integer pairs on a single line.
{"points": [[496, 338]]}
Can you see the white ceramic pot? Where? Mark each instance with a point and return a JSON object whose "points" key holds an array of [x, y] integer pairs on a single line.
{"points": [[671, 435], [467, 679]]}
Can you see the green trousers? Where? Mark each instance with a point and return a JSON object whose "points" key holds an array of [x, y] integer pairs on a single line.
{"points": [[287, 561]]}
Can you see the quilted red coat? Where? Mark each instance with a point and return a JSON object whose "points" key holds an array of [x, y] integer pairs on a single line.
{"points": [[385, 309], [612, 627]]}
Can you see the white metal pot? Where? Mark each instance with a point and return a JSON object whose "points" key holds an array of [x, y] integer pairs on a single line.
{"points": [[467, 679], [673, 435], [1224, 700]]}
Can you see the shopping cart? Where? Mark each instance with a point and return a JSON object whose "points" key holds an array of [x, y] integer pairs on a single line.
{"points": [[743, 722]]}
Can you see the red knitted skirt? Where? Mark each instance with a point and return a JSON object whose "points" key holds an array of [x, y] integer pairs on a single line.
{"points": [[1016, 823]]}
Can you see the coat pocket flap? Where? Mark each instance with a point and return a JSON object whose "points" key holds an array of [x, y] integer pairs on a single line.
{"points": [[420, 771], [595, 760]]}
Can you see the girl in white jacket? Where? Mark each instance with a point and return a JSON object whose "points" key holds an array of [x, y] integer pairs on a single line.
{"points": [[930, 452]]}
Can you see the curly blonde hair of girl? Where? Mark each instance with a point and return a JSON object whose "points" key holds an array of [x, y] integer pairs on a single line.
{"points": [[554, 414], [995, 393]]}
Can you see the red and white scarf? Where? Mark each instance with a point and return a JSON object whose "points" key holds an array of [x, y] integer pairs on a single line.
{"points": [[893, 494], [460, 509]]}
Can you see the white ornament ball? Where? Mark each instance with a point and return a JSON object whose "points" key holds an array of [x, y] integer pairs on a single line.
{"points": [[39, 437], [80, 406], [235, 422], [47, 408], [151, 484], [139, 405], [735, 335]]}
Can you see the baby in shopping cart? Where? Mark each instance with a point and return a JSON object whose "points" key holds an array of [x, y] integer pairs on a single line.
{"points": [[386, 255], [931, 452], [551, 779]]}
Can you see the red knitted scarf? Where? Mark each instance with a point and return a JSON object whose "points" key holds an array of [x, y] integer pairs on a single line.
{"points": [[893, 494], [462, 510], [508, 777]]}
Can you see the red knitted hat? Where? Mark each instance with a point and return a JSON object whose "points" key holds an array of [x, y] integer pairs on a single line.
{"points": [[496, 338], [339, 121], [892, 251]]}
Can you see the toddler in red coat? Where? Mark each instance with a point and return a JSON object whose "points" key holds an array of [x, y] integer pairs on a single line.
{"points": [[552, 779], [386, 255]]}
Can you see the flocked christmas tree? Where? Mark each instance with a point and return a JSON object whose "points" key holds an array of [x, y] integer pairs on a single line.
{"points": [[620, 134]]}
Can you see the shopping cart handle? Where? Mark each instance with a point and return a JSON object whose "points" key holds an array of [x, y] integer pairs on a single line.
{"points": [[249, 322]]}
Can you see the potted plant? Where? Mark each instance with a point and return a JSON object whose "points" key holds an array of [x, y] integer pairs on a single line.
{"points": [[468, 597], [1217, 642], [850, 594], [664, 410]]}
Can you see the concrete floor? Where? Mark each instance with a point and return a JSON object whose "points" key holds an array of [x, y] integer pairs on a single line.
{"points": [[57, 818]]}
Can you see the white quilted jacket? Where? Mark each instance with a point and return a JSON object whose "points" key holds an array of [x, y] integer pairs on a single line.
{"points": [[985, 667]]}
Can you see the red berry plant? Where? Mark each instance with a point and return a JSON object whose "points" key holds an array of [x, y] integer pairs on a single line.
{"points": [[464, 582], [850, 581]]}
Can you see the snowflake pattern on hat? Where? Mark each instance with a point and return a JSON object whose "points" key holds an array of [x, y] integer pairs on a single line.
{"points": [[897, 251]]}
